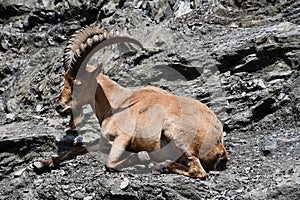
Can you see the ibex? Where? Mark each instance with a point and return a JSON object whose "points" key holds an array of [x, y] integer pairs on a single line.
{"points": [[179, 132]]}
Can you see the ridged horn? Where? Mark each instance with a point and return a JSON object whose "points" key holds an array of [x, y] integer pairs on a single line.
{"points": [[84, 43]]}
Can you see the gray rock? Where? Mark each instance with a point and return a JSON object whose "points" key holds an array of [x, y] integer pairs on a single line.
{"points": [[269, 145]]}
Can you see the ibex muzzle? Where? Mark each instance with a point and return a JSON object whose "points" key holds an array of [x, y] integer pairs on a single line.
{"points": [[65, 98]]}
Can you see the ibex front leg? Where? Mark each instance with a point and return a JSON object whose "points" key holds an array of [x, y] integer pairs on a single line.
{"points": [[115, 162], [55, 161]]}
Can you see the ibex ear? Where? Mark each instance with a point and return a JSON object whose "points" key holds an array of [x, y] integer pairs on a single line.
{"points": [[93, 73], [97, 71]]}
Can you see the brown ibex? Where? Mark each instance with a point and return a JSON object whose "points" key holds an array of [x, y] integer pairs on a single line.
{"points": [[152, 124]]}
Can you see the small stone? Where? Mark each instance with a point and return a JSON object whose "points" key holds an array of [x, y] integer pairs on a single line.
{"points": [[12, 105], [39, 108], [124, 184], [214, 173], [240, 190], [11, 116], [280, 74], [38, 182], [62, 172], [281, 96], [270, 145], [260, 83], [20, 172], [247, 169]]}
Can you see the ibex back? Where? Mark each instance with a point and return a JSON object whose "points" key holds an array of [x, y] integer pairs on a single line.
{"points": [[178, 132]]}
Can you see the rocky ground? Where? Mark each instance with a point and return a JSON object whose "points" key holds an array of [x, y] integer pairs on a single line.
{"points": [[239, 57]]}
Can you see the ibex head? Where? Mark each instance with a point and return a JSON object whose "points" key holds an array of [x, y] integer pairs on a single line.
{"points": [[82, 45], [216, 158], [76, 93]]}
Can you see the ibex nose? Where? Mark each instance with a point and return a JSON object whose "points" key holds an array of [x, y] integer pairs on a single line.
{"points": [[221, 164], [221, 161]]}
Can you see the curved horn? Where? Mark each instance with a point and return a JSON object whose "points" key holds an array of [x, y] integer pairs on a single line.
{"points": [[85, 42]]}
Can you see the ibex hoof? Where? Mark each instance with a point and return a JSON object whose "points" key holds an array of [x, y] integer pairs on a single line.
{"points": [[110, 169], [42, 166], [45, 165], [38, 165]]}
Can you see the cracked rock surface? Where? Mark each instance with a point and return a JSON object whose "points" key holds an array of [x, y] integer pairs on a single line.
{"points": [[241, 58]]}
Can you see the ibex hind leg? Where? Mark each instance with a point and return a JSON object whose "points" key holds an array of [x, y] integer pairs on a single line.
{"points": [[191, 168]]}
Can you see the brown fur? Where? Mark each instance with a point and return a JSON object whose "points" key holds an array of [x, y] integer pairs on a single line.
{"points": [[178, 131]]}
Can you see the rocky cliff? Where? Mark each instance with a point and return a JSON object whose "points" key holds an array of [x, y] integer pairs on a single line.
{"points": [[241, 58]]}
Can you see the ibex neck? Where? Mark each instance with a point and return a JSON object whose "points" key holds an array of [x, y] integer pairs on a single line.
{"points": [[110, 96]]}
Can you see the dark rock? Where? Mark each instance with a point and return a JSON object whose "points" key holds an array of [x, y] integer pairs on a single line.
{"points": [[269, 146], [291, 59], [263, 108], [11, 9]]}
